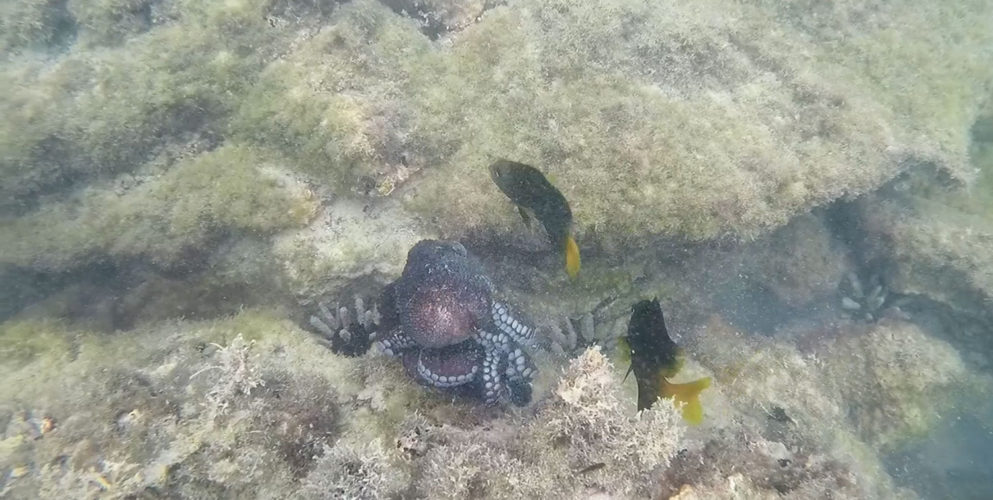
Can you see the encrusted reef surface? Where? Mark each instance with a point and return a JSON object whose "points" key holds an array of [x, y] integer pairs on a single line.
{"points": [[804, 185]]}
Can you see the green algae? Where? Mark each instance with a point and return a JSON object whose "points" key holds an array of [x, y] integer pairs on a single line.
{"points": [[100, 112], [108, 22], [166, 403], [689, 126], [162, 219], [24, 342], [548, 99], [154, 140], [33, 24]]}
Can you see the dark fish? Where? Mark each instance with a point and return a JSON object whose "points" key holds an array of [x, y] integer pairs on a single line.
{"points": [[591, 468], [534, 196], [655, 358]]}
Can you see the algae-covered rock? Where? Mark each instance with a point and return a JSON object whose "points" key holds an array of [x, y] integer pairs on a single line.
{"points": [[251, 404], [696, 123], [889, 382], [898, 382], [189, 158], [932, 236], [111, 21], [34, 24], [162, 218], [936, 251], [581, 440], [347, 241], [801, 262], [195, 407], [692, 122]]}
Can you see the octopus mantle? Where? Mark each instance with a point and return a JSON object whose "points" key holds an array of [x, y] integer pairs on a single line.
{"points": [[441, 319]]}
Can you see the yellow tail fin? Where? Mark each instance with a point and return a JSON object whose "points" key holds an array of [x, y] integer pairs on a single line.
{"points": [[689, 395], [571, 257]]}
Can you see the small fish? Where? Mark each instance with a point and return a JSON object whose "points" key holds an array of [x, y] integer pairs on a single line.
{"points": [[591, 468], [655, 358], [536, 198]]}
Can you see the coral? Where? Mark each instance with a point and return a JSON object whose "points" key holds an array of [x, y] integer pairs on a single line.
{"points": [[266, 409], [23, 342], [572, 336], [868, 300], [589, 417], [937, 251], [354, 471], [930, 233], [746, 465], [384, 98], [693, 125], [659, 96], [335, 105], [583, 439], [109, 110], [338, 330], [188, 158], [238, 376], [888, 381], [150, 410]]}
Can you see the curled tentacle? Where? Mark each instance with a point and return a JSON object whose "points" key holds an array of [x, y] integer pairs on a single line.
{"points": [[448, 368], [440, 318], [340, 331], [396, 343], [509, 322], [519, 373], [492, 379], [519, 366], [493, 341]]}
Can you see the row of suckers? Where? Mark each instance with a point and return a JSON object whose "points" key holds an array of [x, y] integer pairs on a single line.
{"points": [[654, 357]]}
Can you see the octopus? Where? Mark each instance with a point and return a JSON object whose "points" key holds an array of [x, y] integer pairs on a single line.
{"points": [[441, 319]]}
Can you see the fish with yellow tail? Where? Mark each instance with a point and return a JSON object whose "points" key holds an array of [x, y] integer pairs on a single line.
{"points": [[536, 198], [655, 358]]}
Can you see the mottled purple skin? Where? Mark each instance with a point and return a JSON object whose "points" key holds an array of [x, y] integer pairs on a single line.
{"points": [[443, 295], [440, 318]]}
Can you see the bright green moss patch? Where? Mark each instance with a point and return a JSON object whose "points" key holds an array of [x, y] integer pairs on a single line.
{"points": [[161, 219]]}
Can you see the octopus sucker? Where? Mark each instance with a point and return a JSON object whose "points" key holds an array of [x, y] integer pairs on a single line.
{"points": [[512, 324], [449, 331]]}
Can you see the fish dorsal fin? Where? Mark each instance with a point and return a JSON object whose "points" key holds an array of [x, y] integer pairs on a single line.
{"points": [[529, 217]]}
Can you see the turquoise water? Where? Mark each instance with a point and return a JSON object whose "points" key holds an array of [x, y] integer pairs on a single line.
{"points": [[207, 207]]}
